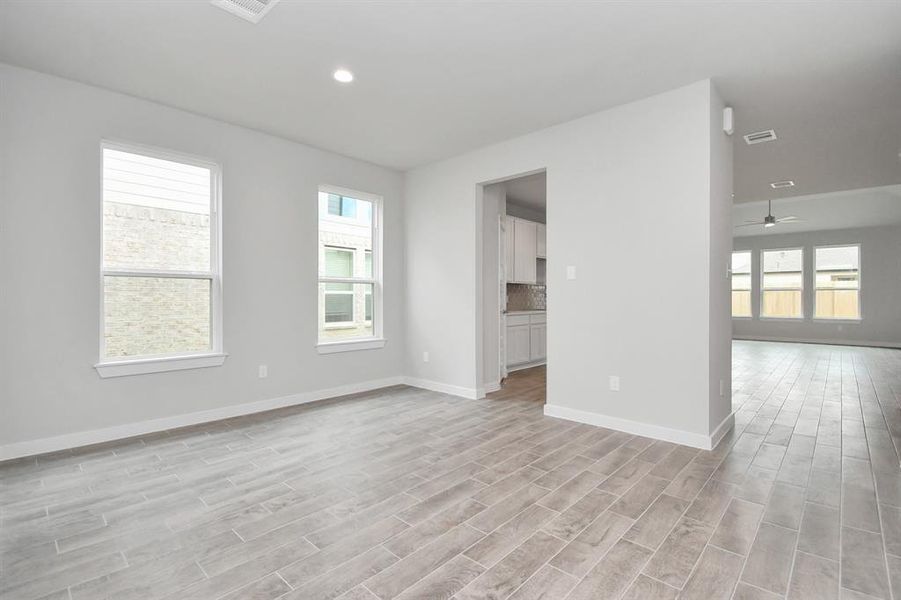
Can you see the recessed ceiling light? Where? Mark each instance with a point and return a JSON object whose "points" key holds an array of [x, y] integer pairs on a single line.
{"points": [[343, 76]]}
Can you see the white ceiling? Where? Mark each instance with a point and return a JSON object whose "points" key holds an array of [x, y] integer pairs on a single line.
{"points": [[436, 78], [836, 210]]}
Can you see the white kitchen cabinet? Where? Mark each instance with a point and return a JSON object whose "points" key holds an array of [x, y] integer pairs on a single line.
{"points": [[541, 243], [518, 344], [526, 338], [537, 342], [525, 246], [509, 250]]}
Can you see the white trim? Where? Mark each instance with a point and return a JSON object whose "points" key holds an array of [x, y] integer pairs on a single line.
{"points": [[118, 432], [444, 388], [825, 342], [686, 438], [491, 387], [721, 430], [350, 345], [162, 364], [528, 365]]}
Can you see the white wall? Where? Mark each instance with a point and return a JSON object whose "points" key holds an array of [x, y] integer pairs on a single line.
{"points": [[880, 295], [50, 132], [619, 180]]}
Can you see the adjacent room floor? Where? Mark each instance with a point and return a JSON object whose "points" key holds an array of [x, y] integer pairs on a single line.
{"points": [[417, 495]]}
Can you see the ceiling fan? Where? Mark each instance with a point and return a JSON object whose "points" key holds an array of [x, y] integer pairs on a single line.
{"points": [[769, 220]]}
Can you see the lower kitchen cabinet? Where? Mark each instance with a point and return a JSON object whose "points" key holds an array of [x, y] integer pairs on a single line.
{"points": [[526, 339]]}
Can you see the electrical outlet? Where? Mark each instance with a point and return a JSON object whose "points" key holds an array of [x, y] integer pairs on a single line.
{"points": [[722, 388], [425, 357], [263, 372], [614, 383]]}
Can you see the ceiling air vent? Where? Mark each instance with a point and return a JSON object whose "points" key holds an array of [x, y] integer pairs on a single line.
{"points": [[778, 185], [758, 137], [249, 10]]}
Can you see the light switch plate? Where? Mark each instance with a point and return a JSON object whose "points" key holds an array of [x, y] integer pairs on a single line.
{"points": [[614, 383], [570, 272]]}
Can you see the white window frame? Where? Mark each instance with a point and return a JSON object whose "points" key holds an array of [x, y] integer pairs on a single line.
{"points": [[859, 284], [377, 340], [750, 254], [119, 367], [763, 317]]}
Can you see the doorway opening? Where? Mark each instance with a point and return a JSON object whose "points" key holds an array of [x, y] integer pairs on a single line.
{"points": [[514, 287]]}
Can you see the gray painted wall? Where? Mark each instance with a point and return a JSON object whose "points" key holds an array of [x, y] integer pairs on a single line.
{"points": [[880, 275], [50, 134], [620, 179]]}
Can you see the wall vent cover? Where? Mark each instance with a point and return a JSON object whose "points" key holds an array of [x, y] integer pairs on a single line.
{"points": [[758, 137], [249, 10], [778, 185]]}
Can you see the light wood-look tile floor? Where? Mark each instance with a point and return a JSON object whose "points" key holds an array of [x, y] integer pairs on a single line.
{"points": [[416, 495]]}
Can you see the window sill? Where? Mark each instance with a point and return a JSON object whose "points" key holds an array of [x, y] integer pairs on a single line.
{"points": [[741, 318], [350, 345], [142, 366], [781, 318]]}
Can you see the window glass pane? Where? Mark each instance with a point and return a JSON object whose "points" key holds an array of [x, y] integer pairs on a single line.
{"points": [[838, 304], [339, 262], [838, 268], [156, 213], [782, 284], [741, 303], [838, 282], [345, 248], [781, 303], [345, 313], [155, 315], [741, 262]]}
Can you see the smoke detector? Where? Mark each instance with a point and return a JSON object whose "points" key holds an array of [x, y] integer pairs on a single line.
{"points": [[249, 10], [758, 137], [778, 185]]}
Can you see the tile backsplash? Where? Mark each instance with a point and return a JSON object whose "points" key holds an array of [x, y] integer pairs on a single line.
{"points": [[521, 296]]}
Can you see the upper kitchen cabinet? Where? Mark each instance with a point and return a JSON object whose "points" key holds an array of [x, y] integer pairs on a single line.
{"points": [[525, 250], [541, 243]]}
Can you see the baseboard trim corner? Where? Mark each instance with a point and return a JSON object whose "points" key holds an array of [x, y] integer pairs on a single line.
{"points": [[657, 432], [445, 388], [79, 439]]}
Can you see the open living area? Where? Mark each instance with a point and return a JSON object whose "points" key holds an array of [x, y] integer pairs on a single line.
{"points": [[439, 300]]}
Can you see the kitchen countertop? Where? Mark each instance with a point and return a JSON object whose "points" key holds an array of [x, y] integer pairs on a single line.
{"points": [[526, 312]]}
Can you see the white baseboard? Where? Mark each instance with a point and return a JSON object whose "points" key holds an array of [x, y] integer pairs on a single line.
{"points": [[825, 342], [721, 430], [528, 365], [686, 438], [445, 388], [491, 387], [118, 432]]}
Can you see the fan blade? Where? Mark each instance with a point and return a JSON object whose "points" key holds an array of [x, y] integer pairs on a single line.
{"points": [[758, 223], [753, 221], [787, 219]]}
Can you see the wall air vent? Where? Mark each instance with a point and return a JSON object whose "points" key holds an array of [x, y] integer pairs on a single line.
{"points": [[249, 10], [758, 137], [778, 185]]}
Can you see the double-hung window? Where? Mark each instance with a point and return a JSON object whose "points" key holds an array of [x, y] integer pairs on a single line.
{"points": [[160, 283], [350, 285], [782, 284], [741, 284], [837, 282]]}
